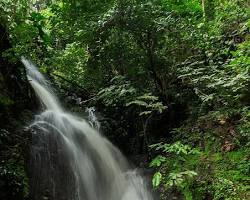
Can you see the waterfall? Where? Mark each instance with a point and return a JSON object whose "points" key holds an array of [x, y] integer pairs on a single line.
{"points": [[70, 160], [92, 118]]}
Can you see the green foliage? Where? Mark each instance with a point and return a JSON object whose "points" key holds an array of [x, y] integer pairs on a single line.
{"points": [[225, 189], [243, 127], [182, 181], [156, 180], [120, 92], [170, 165], [195, 173], [13, 175], [183, 7], [16, 178], [149, 103], [75, 56], [177, 148], [157, 161]]}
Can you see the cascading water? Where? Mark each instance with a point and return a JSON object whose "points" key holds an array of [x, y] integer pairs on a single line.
{"points": [[92, 118], [70, 160]]}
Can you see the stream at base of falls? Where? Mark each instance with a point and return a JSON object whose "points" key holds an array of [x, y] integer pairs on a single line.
{"points": [[70, 160]]}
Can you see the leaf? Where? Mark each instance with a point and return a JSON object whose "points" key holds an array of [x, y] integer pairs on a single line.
{"points": [[37, 16], [145, 113], [191, 173], [156, 179], [157, 161], [137, 102], [148, 96], [157, 145]]}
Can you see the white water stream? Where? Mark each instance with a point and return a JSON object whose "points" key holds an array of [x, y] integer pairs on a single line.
{"points": [[72, 160]]}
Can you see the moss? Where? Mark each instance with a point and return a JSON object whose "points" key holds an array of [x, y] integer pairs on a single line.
{"points": [[5, 101]]}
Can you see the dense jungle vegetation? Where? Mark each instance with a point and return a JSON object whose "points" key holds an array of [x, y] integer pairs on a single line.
{"points": [[170, 80]]}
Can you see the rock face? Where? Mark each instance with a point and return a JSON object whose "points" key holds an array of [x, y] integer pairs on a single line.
{"points": [[49, 176]]}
